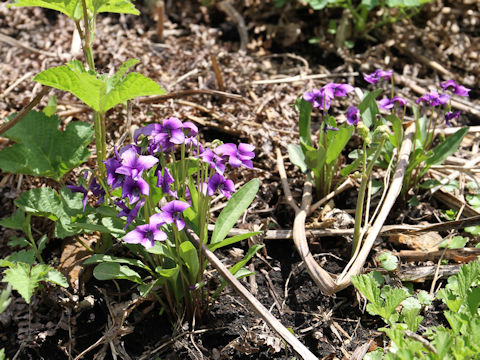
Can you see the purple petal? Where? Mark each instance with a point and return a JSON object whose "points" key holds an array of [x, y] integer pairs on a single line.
{"points": [[226, 149], [445, 85]]}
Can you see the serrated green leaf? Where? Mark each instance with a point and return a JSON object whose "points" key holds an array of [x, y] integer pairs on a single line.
{"points": [[369, 286], [56, 277], [100, 93], [22, 256], [237, 204], [17, 221], [42, 150], [25, 279], [110, 271], [473, 301], [5, 300], [73, 8], [424, 297]]}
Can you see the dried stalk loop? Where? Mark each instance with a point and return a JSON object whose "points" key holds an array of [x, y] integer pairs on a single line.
{"points": [[274, 324], [325, 281]]}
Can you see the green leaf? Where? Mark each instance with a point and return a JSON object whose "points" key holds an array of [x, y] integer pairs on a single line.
{"points": [[237, 204], [51, 107], [473, 301], [232, 240], [315, 159], [22, 256], [46, 202], [73, 8], [388, 260], [369, 285], [170, 274], [25, 279], [397, 136], [189, 255], [305, 109], [110, 271], [42, 150], [102, 258], [297, 157], [56, 277], [251, 252], [445, 149], [5, 299], [456, 242], [17, 221], [340, 139], [424, 297], [369, 108], [100, 93]]}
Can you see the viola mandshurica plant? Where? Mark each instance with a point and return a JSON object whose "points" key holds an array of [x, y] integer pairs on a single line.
{"points": [[159, 187]]}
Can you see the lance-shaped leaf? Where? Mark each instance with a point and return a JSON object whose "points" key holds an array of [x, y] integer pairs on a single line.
{"points": [[41, 149], [73, 8], [101, 93]]}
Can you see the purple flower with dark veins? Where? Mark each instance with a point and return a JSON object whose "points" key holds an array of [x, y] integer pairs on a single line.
{"points": [[164, 182], [237, 157], [147, 234], [388, 104], [134, 188], [94, 187], [333, 89], [172, 213], [114, 180], [378, 75], [451, 115], [434, 99], [457, 89], [318, 99], [353, 115], [216, 162], [97, 190], [218, 182], [133, 164], [131, 214]]}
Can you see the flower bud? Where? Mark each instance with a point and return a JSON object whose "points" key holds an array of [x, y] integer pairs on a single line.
{"points": [[364, 132], [381, 133]]}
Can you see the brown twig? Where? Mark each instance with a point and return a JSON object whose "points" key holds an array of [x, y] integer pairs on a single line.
{"points": [[228, 8], [9, 40], [160, 19], [218, 74], [45, 90], [274, 324]]}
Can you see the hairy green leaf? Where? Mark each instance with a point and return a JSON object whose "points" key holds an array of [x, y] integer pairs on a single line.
{"points": [[25, 279]]}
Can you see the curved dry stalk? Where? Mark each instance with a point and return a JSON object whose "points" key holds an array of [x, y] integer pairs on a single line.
{"points": [[283, 178], [274, 324], [390, 198], [321, 277]]}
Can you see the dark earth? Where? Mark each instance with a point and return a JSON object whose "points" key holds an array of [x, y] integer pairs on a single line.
{"points": [[440, 42]]}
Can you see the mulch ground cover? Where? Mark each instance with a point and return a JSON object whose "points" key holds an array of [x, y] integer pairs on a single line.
{"points": [[261, 83]]}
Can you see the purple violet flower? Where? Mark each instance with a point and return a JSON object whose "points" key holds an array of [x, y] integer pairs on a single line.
{"points": [[216, 162], [451, 115], [237, 157], [322, 98], [114, 180], [218, 182], [434, 99], [353, 115], [457, 89], [378, 75], [171, 213], [134, 164], [94, 187], [131, 214], [387, 104], [134, 188], [164, 182], [318, 99], [97, 190], [147, 234]]}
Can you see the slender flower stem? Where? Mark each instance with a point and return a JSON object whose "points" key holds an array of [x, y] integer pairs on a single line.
{"points": [[32, 240]]}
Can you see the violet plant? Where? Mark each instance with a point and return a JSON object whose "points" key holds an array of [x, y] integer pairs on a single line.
{"points": [[322, 159], [156, 189]]}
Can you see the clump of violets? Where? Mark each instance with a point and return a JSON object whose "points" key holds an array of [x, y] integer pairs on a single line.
{"points": [[378, 75], [322, 98]]}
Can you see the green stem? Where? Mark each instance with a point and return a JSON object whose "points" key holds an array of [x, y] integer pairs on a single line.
{"points": [[31, 239], [361, 193], [87, 39]]}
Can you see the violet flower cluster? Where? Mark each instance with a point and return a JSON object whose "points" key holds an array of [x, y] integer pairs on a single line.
{"points": [[130, 169]]}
